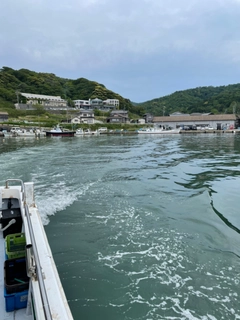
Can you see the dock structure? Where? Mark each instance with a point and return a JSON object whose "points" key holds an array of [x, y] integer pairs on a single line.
{"points": [[210, 131]]}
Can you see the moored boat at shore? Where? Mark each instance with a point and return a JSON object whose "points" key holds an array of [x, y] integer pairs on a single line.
{"points": [[26, 133], [30, 285], [14, 131], [87, 132], [158, 131], [60, 132]]}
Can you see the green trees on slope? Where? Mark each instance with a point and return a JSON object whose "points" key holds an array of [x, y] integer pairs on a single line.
{"points": [[24, 80], [223, 99]]}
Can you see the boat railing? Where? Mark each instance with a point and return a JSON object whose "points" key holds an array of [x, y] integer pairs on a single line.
{"points": [[16, 180], [38, 267]]}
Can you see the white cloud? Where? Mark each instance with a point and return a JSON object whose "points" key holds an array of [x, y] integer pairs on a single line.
{"points": [[92, 35]]}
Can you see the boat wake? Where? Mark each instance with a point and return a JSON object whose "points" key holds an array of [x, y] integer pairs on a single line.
{"points": [[56, 198], [157, 272]]}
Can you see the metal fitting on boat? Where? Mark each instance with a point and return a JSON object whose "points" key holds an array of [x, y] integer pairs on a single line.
{"points": [[8, 225], [30, 263]]}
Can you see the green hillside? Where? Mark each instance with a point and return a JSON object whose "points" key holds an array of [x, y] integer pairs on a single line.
{"points": [[24, 80], [223, 99]]}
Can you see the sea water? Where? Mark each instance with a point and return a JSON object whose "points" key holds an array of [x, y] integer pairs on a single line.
{"points": [[141, 227]]}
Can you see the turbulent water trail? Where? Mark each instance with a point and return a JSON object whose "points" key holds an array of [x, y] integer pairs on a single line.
{"points": [[140, 227]]}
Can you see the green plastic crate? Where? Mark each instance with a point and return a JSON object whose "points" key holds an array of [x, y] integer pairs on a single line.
{"points": [[15, 245]]}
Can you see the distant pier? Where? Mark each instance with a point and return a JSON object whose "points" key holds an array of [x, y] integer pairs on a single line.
{"points": [[210, 131]]}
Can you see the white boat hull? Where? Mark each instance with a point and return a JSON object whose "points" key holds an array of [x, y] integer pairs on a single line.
{"points": [[80, 132], [158, 131], [45, 293]]}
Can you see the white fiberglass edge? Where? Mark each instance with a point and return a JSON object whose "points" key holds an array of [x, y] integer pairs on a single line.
{"points": [[55, 295], [57, 304]]}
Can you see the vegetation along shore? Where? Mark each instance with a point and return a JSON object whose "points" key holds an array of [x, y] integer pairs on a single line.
{"points": [[211, 100]]}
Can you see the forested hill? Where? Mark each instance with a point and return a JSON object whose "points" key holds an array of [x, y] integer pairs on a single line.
{"points": [[24, 80], [223, 99]]}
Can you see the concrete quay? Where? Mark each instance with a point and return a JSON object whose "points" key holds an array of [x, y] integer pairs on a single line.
{"points": [[210, 131]]}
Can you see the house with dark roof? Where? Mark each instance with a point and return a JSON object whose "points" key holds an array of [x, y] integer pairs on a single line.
{"points": [[3, 116], [84, 116], [118, 116], [148, 117]]}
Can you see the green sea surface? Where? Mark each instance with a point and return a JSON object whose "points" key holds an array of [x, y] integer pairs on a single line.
{"points": [[141, 227]]}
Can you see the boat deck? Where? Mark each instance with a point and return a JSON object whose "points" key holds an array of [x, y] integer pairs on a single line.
{"points": [[46, 297], [17, 314]]}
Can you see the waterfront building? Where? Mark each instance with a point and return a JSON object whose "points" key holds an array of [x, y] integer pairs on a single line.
{"points": [[84, 116], [215, 121], [148, 117], [3, 116], [118, 116], [48, 102]]}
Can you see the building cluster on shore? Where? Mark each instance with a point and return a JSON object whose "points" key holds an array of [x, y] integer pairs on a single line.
{"points": [[84, 113], [57, 103]]}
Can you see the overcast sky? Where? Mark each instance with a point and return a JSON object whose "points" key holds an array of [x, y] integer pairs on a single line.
{"points": [[141, 49]]}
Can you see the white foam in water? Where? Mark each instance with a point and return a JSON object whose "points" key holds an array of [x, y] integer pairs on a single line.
{"points": [[56, 198], [163, 273]]}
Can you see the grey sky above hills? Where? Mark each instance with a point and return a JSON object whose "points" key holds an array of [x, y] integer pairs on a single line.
{"points": [[140, 49]]}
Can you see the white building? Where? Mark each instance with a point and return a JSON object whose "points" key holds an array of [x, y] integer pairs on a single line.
{"points": [[141, 121], [47, 102], [112, 102], [104, 105], [82, 103]]}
